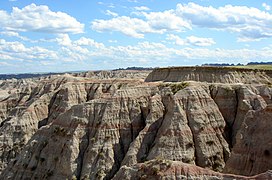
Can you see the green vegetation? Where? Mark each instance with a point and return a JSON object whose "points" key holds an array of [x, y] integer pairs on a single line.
{"points": [[175, 87], [269, 84], [101, 154], [60, 131], [261, 67]]}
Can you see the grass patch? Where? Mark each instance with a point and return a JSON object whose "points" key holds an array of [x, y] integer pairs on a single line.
{"points": [[261, 67], [175, 87]]}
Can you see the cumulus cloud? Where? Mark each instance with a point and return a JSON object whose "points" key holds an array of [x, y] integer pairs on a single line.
{"points": [[198, 41], [88, 51], [163, 55], [166, 21], [67, 50], [64, 40], [266, 6], [133, 27], [83, 41], [39, 19], [159, 22], [14, 34], [78, 50], [18, 51], [191, 40], [249, 23]]}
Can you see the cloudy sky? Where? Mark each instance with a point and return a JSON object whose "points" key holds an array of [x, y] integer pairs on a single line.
{"points": [[61, 35]]}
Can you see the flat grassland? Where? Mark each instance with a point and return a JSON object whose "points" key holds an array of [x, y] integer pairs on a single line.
{"points": [[262, 67]]}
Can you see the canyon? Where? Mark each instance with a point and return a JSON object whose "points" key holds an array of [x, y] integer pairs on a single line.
{"points": [[171, 123]]}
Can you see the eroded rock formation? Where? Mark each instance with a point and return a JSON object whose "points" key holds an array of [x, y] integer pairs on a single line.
{"points": [[210, 74], [88, 128]]}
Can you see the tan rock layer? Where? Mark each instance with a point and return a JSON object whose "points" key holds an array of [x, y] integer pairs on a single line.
{"points": [[209, 74], [93, 129], [167, 169]]}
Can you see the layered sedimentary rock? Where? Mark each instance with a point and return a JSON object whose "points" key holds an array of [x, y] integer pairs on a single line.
{"points": [[29, 105], [167, 169], [116, 74], [67, 127], [210, 74], [252, 152]]}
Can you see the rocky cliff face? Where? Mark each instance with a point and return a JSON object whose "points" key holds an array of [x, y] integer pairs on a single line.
{"points": [[88, 128], [252, 152], [31, 104], [209, 74]]}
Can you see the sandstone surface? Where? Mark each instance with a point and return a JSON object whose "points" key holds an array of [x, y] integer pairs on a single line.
{"points": [[78, 126], [210, 74]]}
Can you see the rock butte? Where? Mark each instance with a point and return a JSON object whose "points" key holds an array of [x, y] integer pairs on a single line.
{"points": [[215, 124]]}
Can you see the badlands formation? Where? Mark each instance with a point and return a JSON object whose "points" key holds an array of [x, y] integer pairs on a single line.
{"points": [[172, 123]]}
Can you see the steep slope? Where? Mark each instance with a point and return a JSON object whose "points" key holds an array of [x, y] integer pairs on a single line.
{"points": [[210, 74], [96, 138], [252, 152], [67, 127], [36, 103]]}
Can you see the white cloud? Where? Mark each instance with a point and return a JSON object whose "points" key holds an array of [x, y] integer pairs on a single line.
{"points": [[141, 8], [161, 54], [166, 21], [159, 22], [39, 19], [133, 27], [266, 6], [18, 51], [178, 41], [88, 42], [64, 40], [110, 13], [78, 50], [248, 22], [88, 51], [109, 5], [197, 41], [14, 34], [191, 40]]}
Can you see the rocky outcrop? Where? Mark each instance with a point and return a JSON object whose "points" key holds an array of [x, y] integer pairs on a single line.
{"points": [[116, 74], [234, 102], [252, 151], [167, 169], [39, 102], [88, 128], [209, 74]]}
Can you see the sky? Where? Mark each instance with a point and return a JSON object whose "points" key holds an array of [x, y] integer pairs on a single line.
{"points": [[77, 35]]}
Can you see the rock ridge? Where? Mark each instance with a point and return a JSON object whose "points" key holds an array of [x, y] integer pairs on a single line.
{"points": [[71, 127], [210, 74]]}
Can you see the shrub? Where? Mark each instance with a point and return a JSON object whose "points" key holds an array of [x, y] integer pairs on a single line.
{"points": [[175, 87]]}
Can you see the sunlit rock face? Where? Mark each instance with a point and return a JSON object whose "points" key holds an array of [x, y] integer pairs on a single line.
{"points": [[110, 125]]}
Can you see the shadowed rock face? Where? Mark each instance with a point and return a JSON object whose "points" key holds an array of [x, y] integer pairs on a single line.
{"points": [[252, 152], [88, 128]]}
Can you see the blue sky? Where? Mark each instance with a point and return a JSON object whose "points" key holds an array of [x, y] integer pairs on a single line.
{"points": [[54, 36]]}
